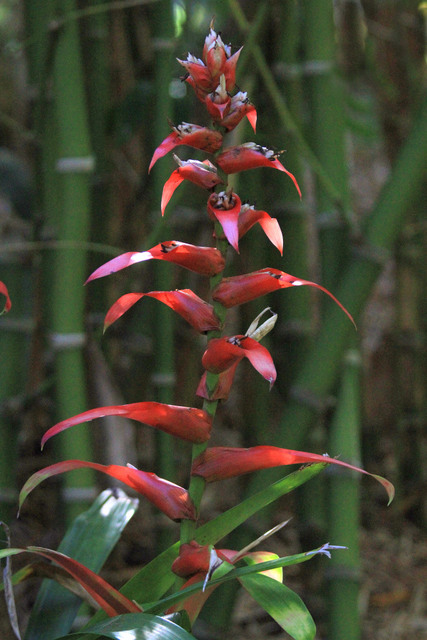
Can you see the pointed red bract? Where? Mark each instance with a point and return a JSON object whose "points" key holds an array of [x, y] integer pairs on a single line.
{"points": [[8, 303], [250, 216], [219, 463], [240, 289], [240, 107], [203, 174], [251, 156], [222, 387], [222, 353], [191, 135], [207, 261], [187, 423], [170, 498], [108, 598], [198, 313], [225, 207]]}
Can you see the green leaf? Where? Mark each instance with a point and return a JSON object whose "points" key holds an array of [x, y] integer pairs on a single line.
{"points": [[135, 626], [282, 604], [151, 582], [90, 539]]}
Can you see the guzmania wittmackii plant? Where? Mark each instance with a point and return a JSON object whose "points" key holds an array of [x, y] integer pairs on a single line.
{"points": [[167, 595]]}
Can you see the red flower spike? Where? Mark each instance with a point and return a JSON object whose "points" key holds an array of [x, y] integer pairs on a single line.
{"points": [[250, 216], [239, 108], [223, 386], [170, 498], [198, 74], [220, 463], [203, 174], [222, 353], [194, 558], [225, 207], [251, 156], [187, 423], [191, 135], [8, 304], [240, 289], [206, 261], [217, 107], [198, 313]]}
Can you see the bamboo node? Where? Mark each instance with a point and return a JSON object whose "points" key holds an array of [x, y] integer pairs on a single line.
{"points": [[63, 341], [79, 494], [82, 164], [371, 253]]}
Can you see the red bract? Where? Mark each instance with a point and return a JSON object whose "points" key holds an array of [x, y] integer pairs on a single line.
{"points": [[207, 261], [198, 313], [240, 107], [249, 216], [8, 303], [218, 102], [108, 598], [222, 387], [219, 463], [225, 207], [251, 156], [204, 75], [203, 174], [191, 135], [170, 498], [187, 423], [222, 353], [240, 289]]}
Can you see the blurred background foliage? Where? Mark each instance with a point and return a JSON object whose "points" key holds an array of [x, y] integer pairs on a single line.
{"points": [[86, 91]]}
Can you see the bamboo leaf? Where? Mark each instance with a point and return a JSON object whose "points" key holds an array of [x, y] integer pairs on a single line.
{"points": [[282, 604]]}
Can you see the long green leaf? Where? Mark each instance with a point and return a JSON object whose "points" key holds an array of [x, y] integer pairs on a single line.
{"points": [[143, 588], [90, 539], [227, 572], [282, 604], [135, 626]]}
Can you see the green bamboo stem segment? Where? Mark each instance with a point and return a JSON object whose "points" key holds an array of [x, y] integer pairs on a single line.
{"points": [[74, 166], [343, 506], [284, 114]]}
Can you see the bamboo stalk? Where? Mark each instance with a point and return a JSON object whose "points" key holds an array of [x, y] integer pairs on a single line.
{"points": [[74, 165], [343, 572]]}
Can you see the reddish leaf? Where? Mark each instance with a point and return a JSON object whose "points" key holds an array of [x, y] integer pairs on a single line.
{"points": [[222, 387], [198, 313], [109, 599], [250, 216], [207, 261], [5, 293], [225, 207], [240, 289], [203, 174], [251, 156], [187, 423], [170, 498], [219, 463], [189, 134], [222, 353]]}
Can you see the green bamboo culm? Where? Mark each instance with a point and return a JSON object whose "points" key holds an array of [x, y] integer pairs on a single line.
{"points": [[343, 505], [74, 166], [326, 136]]}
